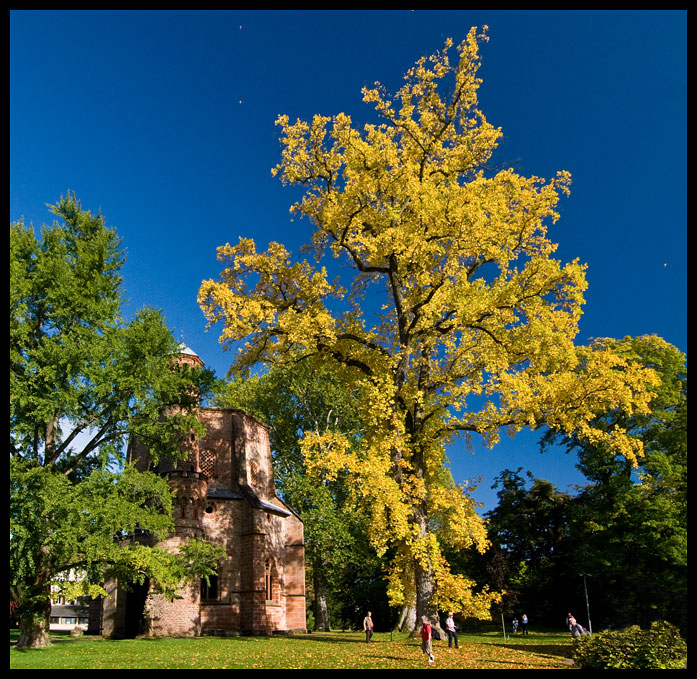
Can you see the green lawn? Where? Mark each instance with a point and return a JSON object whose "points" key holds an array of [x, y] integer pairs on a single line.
{"points": [[331, 650]]}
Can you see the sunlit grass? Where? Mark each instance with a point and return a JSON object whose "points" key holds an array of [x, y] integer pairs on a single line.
{"points": [[331, 650]]}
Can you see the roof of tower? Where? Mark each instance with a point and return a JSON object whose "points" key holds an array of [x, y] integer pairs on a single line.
{"points": [[246, 493], [184, 349]]}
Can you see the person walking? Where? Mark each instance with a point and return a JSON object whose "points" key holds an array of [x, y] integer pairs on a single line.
{"points": [[576, 629], [524, 621], [451, 629], [515, 625], [427, 638], [368, 627]]}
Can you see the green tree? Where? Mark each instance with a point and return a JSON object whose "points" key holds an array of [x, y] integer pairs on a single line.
{"points": [[530, 533], [458, 319], [82, 382]]}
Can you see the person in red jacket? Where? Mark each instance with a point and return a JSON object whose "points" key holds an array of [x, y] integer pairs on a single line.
{"points": [[427, 638]]}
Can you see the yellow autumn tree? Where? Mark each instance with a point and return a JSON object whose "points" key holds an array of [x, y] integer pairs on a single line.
{"points": [[474, 330]]}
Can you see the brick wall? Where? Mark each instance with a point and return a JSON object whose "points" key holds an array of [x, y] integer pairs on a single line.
{"points": [[215, 492], [179, 617]]}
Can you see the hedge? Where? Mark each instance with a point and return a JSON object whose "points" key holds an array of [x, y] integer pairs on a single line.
{"points": [[660, 647]]}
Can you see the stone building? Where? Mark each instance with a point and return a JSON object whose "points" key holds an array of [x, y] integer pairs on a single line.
{"points": [[225, 494]]}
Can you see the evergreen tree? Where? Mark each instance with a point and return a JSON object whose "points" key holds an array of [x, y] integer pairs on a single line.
{"points": [[82, 382]]}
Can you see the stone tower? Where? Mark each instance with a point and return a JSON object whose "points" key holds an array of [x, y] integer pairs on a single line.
{"points": [[225, 494]]}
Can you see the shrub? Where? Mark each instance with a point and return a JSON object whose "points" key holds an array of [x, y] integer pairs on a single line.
{"points": [[660, 647]]}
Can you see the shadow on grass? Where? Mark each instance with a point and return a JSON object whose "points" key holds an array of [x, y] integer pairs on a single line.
{"points": [[558, 650], [332, 637]]}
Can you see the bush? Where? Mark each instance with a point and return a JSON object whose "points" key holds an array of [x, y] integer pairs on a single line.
{"points": [[660, 647]]}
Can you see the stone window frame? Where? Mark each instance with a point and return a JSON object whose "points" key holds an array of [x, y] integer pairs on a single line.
{"points": [[272, 582]]}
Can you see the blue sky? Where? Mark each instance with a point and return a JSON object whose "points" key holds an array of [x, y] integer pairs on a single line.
{"points": [[164, 120]]}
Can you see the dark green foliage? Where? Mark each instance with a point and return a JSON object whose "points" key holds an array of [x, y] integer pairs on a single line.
{"points": [[530, 532], [660, 647]]}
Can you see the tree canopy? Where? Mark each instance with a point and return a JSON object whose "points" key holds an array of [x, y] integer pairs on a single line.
{"points": [[83, 382], [450, 316]]}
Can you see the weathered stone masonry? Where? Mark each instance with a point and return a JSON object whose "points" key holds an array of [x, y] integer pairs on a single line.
{"points": [[225, 494]]}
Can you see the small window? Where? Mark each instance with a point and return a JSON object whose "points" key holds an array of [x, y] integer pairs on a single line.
{"points": [[209, 590], [207, 462], [269, 582]]}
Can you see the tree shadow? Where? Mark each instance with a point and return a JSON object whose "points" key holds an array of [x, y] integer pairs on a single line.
{"points": [[333, 638], [557, 650]]}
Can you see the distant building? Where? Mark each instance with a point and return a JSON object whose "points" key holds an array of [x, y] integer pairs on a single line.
{"points": [[225, 494], [67, 615]]}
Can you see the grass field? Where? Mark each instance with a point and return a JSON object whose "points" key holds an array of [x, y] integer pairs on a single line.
{"points": [[330, 650]]}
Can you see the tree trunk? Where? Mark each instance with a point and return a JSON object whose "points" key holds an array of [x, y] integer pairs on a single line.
{"points": [[425, 589], [320, 601], [34, 619], [407, 620], [425, 582], [50, 434]]}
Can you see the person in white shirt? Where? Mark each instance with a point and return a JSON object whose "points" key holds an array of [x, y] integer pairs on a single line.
{"points": [[368, 627], [451, 629]]}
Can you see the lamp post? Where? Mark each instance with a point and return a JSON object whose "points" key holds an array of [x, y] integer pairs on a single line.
{"points": [[588, 611]]}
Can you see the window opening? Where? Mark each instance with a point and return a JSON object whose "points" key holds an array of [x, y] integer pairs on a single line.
{"points": [[269, 582], [209, 590]]}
